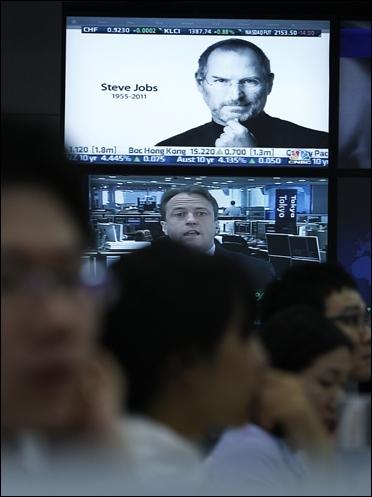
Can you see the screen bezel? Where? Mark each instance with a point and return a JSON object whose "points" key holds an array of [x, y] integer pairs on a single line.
{"points": [[219, 10]]}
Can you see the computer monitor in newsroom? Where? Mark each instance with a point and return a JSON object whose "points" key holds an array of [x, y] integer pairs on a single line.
{"points": [[293, 246]]}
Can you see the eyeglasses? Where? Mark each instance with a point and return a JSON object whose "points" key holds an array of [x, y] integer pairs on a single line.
{"points": [[36, 282], [224, 84], [357, 319]]}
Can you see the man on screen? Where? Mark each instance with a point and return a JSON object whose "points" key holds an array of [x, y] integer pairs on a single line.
{"points": [[235, 80], [190, 216], [232, 211]]}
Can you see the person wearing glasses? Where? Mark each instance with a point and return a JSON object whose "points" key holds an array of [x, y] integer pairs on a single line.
{"points": [[61, 395], [330, 289], [235, 79]]}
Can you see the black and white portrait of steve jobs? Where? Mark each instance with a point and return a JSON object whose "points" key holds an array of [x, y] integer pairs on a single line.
{"points": [[235, 81]]}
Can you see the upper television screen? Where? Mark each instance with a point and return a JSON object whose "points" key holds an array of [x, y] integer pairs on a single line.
{"points": [[197, 92]]}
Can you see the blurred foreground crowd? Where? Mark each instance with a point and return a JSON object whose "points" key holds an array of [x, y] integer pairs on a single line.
{"points": [[164, 375]]}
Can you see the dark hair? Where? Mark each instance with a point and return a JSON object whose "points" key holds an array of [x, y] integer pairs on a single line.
{"points": [[32, 155], [233, 44], [232, 202], [167, 316], [308, 285], [190, 190], [294, 338]]}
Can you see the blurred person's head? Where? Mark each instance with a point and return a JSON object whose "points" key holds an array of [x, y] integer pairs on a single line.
{"points": [[181, 330], [333, 292], [232, 202], [48, 318], [300, 341], [190, 216], [234, 79]]}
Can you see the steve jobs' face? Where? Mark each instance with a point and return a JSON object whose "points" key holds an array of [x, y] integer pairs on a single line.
{"points": [[235, 85]]}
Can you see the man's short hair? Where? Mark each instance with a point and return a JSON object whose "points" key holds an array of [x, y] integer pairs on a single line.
{"points": [[306, 284], [296, 337], [233, 44], [32, 155], [232, 202], [165, 319], [189, 190]]}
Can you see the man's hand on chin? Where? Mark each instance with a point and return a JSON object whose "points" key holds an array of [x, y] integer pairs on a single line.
{"points": [[235, 135]]}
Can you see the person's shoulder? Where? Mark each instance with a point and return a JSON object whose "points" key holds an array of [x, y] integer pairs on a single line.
{"points": [[260, 271], [193, 137], [244, 437], [245, 453], [295, 129], [249, 260], [259, 264]]}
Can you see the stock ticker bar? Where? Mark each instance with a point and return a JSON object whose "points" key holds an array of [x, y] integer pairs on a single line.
{"points": [[316, 158], [155, 30]]}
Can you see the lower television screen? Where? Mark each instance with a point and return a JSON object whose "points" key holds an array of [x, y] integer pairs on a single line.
{"points": [[239, 216], [354, 231]]}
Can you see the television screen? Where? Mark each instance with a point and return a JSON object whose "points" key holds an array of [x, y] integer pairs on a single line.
{"points": [[243, 227], [200, 92], [278, 244], [180, 217], [355, 95], [270, 228], [354, 231], [304, 247]]}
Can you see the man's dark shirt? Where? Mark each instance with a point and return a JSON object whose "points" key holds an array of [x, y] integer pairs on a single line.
{"points": [[268, 131], [259, 271]]}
